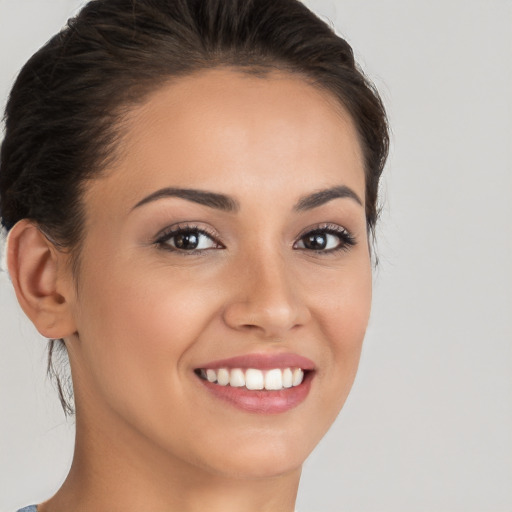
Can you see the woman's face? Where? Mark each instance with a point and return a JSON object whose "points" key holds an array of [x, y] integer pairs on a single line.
{"points": [[229, 236]]}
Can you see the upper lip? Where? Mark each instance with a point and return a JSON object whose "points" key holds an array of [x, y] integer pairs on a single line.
{"points": [[262, 361]]}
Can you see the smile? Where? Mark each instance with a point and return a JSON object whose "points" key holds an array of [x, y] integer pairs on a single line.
{"points": [[265, 383], [254, 379]]}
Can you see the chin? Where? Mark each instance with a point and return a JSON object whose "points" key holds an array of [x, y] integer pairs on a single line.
{"points": [[263, 455], [259, 466]]}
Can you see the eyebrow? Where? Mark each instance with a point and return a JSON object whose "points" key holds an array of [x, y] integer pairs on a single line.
{"points": [[324, 196], [228, 204], [211, 199]]}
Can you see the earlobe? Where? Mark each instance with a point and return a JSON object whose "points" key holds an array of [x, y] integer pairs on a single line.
{"points": [[36, 270]]}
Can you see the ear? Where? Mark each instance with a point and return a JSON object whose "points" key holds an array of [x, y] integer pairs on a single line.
{"points": [[39, 274]]}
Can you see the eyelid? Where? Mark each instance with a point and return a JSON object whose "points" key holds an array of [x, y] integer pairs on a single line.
{"points": [[167, 233], [347, 239]]}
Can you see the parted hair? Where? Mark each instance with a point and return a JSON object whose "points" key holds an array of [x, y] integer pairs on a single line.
{"points": [[63, 119]]}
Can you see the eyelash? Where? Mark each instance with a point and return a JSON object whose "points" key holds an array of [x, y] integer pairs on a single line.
{"points": [[346, 239], [165, 236]]}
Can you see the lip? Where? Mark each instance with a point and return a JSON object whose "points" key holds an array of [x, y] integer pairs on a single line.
{"points": [[262, 361], [262, 401]]}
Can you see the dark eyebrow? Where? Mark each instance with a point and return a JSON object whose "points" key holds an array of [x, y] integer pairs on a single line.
{"points": [[228, 204], [211, 199], [323, 196]]}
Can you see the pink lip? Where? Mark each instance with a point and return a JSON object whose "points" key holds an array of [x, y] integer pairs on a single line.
{"points": [[263, 402], [262, 361]]}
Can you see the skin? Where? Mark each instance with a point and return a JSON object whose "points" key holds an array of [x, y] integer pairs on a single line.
{"points": [[149, 436]]}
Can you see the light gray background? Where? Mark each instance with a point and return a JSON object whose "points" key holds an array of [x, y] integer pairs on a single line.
{"points": [[428, 426]]}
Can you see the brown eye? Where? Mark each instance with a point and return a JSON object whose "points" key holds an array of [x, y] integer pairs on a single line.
{"points": [[328, 239], [317, 242], [187, 240]]}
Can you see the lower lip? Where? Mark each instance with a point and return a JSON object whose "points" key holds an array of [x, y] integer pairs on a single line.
{"points": [[262, 401]]}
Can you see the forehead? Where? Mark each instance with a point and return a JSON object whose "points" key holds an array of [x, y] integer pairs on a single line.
{"points": [[234, 130]]}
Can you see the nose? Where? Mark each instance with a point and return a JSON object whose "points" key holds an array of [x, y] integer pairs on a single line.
{"points": [[266, 299]]}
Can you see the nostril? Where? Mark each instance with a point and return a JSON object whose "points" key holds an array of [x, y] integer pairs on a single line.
{"points": [[270, 320]]}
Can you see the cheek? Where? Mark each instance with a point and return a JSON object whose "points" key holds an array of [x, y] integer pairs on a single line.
{"points": [[342, 305], [343, 309], [136, 329]]}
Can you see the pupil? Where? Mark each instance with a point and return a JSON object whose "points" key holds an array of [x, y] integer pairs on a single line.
{"points": [[316, 242], [186, 241]]}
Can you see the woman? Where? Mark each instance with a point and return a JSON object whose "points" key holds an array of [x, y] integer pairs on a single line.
{"points": [[190, 189]]}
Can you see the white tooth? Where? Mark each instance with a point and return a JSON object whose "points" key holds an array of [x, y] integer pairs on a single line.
{"points": [[223, 377], [287, 378], [237, 378], [254, 379], [298, 375], [274, 379], [211, 375]]}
